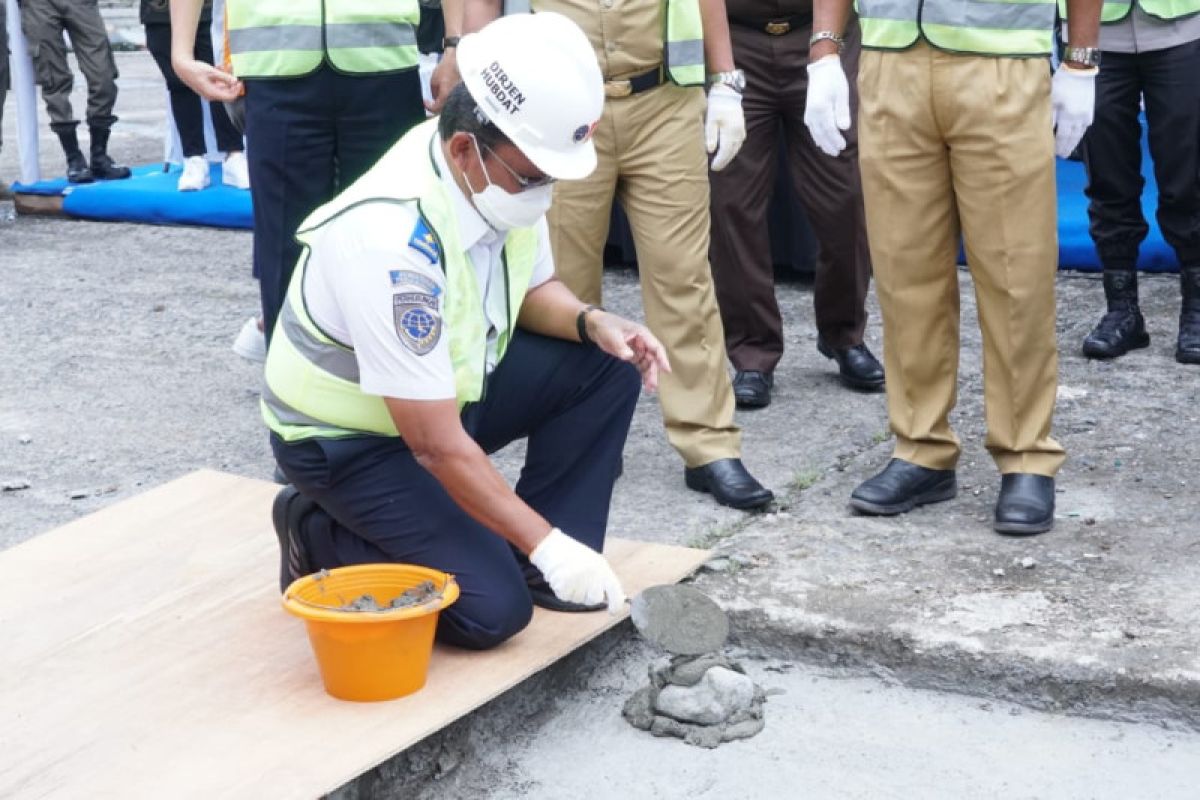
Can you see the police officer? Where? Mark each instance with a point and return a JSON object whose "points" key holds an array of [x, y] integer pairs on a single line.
{"points": [[43, 22], [329, 86], [401, 360], [770, 42], [1151, 54], [958, 128], [651, 139]]}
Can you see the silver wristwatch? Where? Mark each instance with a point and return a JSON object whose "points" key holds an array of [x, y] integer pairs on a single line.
{"points": [[735, 79], [1088, 56], [821, 36]]}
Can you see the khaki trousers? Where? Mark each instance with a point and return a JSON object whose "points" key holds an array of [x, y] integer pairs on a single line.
{"points": [[43, 22], [950, 144], [651, 156]]}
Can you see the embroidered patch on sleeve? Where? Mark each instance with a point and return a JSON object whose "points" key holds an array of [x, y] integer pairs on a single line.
{"points": [[424, 242], [418, 321]]}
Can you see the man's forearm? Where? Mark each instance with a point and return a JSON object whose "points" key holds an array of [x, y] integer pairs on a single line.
{"points": [[718, 51], [185, 18], [1083, 23], [551, 309], [452, 16], [477, 13], [828, 15]]}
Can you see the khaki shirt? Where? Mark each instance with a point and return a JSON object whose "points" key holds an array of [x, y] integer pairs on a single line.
{"points": [[626, 34]]}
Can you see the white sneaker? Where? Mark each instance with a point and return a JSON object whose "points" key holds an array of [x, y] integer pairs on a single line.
{"points": [[236, 173], [250, 343], [195, 174]]}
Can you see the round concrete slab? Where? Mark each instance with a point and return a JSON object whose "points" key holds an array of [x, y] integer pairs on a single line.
{"points": [[680, 619]]}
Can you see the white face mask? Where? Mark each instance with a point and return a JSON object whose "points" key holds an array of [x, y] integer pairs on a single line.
{"points": [[504, 210]]}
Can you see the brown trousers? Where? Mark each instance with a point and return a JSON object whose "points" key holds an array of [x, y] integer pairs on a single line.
{"points": [[651, 156], [829, 188], [956, 144]]}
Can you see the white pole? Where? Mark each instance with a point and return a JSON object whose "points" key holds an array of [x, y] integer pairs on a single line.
{"points": [[25, 89]]}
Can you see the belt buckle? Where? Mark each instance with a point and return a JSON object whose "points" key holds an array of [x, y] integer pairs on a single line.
{"points": [[778, 28], [618, 88]]}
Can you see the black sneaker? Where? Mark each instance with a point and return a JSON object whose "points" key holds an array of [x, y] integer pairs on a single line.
{"points": [[289, 510]]}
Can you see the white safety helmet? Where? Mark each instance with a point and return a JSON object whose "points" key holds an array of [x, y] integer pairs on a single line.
{"points": [[535, 77]]}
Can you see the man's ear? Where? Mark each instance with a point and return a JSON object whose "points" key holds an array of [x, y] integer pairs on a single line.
{"points": [[460, 150]]}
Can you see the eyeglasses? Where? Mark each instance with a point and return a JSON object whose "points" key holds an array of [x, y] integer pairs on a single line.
{"points": [[522, 181]]}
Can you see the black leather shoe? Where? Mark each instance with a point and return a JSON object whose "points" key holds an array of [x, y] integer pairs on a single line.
{"points": [[1187, 347], [729, 483], [77, 169], [288, 511], [1025, 505], [901, 487], [857, 366], [543, 596], [752, 389], [1119, 331]]}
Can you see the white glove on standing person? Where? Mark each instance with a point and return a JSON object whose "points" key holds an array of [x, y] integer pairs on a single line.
{"points": [[827, 109], [1073, 101], [577, 573], [724, 125]]}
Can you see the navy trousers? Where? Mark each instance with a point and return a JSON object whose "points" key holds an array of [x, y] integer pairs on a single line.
{"points": [[376, 504], [307, 139], [1169, 82]]}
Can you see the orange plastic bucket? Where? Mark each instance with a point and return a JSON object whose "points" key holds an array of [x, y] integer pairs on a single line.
{"points": [[370, 655]]}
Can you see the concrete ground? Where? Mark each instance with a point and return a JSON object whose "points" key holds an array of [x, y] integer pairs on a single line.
{"points": [[118, 376]]}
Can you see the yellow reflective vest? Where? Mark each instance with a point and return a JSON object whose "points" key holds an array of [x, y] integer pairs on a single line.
{"points": [[983, 27], [289, 38], [312, 387], [1116, 10]]}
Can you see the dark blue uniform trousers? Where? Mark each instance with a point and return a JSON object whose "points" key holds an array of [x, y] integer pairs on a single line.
{"points": [[307, 139], [376, 504]]}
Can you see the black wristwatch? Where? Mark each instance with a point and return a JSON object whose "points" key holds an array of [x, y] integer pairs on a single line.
{"points": [[450, 41], [581, 323]]}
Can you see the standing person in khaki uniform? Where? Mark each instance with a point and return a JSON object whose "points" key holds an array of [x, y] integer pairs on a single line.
{"points": [[959, 125], [43, 23], [651, 143], [770, 43]]}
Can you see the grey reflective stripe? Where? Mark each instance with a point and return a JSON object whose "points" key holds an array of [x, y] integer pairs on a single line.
{"points": [[274, 38], [517, 7], [904, 10], [999, 16], [290, 416], [369, 34], [686, 53], [337, 361]]}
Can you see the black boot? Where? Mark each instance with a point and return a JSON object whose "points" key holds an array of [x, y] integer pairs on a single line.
{"points": [[77, 166], [1187, 350], [1121, 329], [103, 166]]}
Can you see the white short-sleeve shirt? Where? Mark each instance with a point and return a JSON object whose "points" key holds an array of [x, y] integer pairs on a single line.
{"points": [[374, 283]]}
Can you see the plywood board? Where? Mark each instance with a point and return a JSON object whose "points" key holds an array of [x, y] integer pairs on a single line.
{"points": [[144, 653]]}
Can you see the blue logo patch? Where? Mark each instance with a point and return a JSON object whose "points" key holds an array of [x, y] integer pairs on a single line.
{"points": [[424, 242], [418, 323]]}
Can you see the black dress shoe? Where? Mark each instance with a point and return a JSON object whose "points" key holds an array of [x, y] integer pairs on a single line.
{"points": [[288, 511], [542, 595], [902, 486], [857, 366], [729, 483], [752, 389], [1025, 505]]}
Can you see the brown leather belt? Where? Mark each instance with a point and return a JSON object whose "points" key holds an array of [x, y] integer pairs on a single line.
{"points": [[775, 27], [635, 85]]}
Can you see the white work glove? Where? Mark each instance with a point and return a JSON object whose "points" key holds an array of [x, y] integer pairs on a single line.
{"points": [[827, 109], [1073, 100], [577, 573], [724, 125]]}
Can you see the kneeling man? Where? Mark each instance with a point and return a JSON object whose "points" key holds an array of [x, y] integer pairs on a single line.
{"points": [[424, 328]]}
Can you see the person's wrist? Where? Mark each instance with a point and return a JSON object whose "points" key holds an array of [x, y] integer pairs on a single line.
{"points": [[450, 42], [1080, 69], [581, 323], [823, 49]]}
